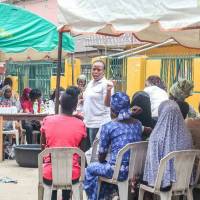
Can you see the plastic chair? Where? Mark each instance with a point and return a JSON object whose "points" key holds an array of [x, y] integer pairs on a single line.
{"points": [[61, 159], [183, 165], [138, 151], [13, 131], [94, 156]]}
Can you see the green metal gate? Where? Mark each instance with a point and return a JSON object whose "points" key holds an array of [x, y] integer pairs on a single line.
{"points": [[32, 74], [117, 71], [174, 68], [86, 70]]}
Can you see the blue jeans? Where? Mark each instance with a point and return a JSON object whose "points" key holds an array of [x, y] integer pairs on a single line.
{"points": [[91, 133]]}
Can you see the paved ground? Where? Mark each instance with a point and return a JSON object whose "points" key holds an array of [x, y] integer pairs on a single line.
{"points": [[25, 189], [27, 178]]}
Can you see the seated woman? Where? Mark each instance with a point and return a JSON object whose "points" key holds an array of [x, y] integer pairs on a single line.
{"points": [[51, 102], [170, 134], [180, 91], [7, 100], [123, 129], [142, 100], [70, 132], [156, 89], [141, 110], [27, 106]]}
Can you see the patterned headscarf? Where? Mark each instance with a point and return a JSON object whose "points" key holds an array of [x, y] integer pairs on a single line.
{"points": [[182, 89], [82, 77], [120, 105], [6, 87]]}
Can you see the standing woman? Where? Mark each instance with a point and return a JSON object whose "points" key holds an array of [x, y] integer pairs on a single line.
{"points": [[97, 100]]}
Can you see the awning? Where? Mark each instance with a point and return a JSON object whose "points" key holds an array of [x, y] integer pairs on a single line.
{"points": [[25, 33], [149, 20]]}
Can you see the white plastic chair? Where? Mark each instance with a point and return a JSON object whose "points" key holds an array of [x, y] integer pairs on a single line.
{"points": [[183, 165], [61, 159], [94, 156], [13, 131], [138, 151]]}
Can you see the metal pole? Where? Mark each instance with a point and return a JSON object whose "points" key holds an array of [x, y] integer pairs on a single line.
{"points": [[133, 49], [72, 63], [58, 72], [151, 47]]}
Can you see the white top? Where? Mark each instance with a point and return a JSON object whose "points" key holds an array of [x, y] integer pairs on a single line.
{"points": [[95, 112], [157, 96]]}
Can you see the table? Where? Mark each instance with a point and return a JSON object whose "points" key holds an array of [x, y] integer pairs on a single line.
{"points": [[15, 117]]}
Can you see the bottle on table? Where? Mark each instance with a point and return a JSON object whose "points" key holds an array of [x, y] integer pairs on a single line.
{"points": [[35, 107]]}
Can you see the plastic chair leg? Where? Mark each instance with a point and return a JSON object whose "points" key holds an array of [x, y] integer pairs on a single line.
{"points": [[77, 192], [165, 195], [189, 195], [123, 190], [40, 192], [99, 188], [17, 138], [141, 194]]}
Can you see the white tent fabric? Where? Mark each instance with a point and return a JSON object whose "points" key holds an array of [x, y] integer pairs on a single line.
{"points": [[149, 20]]}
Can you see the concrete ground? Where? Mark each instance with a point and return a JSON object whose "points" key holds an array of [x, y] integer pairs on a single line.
{"points": [[27, 178]]}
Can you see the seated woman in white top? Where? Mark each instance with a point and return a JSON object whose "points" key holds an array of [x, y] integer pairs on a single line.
{"points": [[51, 102], [156, 89]]}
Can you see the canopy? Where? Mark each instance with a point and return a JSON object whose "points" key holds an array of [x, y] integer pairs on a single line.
{"points": [[23, 31], [149, 20]]}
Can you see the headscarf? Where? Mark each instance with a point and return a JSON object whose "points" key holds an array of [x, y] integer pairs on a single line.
{"points": [[156, 81], [120, 105], [25, 94], [6, 87], [182, 89], [170, 134], [142, 100], [82, 77], [5, 101]]}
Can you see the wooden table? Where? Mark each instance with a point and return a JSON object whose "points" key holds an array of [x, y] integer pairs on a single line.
{"points": [[16, 117]]}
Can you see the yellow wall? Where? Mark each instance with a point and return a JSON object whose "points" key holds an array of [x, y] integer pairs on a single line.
{"points": [[15, 83], [195, 98], [135, 74], [152, 67], [66, 80]]}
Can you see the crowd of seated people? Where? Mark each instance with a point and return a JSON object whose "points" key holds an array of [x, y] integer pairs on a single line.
{"points": [[161, 117]]}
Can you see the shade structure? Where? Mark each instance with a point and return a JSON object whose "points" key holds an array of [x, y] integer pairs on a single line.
{"points": [[149, 20], [23, 31]]}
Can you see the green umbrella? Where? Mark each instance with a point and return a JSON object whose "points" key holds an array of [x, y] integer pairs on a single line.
{"points": [[21, 30]]}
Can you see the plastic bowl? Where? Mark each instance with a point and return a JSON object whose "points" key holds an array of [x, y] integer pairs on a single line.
{"points": [[26, 155]]}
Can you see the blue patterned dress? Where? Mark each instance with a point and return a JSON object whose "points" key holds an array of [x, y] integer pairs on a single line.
{"points": [[114, 135]]}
